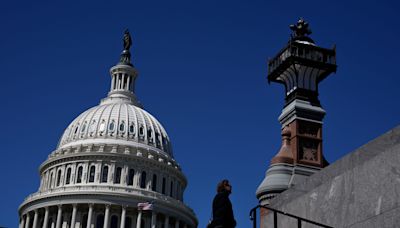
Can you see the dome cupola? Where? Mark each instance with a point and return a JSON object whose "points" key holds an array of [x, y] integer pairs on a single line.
{"points": [[123, 77]]}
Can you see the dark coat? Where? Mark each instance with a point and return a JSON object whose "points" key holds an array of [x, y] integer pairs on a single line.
{"points": [[222, 211]]}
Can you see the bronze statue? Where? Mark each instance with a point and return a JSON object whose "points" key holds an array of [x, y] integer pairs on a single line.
{"points": [[126, 55], [127, 40]]}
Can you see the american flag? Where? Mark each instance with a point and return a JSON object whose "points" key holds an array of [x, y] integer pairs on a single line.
{"points": [[147, 206]]}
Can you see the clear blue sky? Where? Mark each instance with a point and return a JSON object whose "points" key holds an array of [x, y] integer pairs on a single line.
{"points": [[202, 71]]}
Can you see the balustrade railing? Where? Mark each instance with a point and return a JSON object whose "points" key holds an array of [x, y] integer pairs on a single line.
{"points": [[140, 192], [300, 220], [303, 51]]}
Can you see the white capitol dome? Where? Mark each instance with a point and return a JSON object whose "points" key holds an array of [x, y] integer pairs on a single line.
{"points": [[109, 159], [117, 123]]}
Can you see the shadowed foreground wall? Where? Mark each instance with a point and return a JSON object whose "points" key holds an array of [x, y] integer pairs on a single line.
{"points": [[360, 190]]}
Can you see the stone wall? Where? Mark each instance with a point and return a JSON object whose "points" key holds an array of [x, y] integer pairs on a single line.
{"points": [[360, 190]]}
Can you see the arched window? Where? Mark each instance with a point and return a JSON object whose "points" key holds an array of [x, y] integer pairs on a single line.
{"points": [[131, 176], [150, 135], [92, 127], [51, 179], [154, 183], [79, 176], [171, 188], [67, 180], [102, 127], [76, 129], [92, 173], [163, 185], [104, 174], [141, 131], [143, 180], [114, 221], [158, 144], [122, 127], [132, 128], [111, 127], [117, 178], [100, 221], [128, 222], [58, 178], [83, 127]]}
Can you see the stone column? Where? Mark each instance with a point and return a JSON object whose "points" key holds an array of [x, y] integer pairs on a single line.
{"points": [[63, 174], [166, 221], [123, 215], [107, 216], [73, 217], [112, 83], [128, 82], [46, 217], [176, 223], [136, 177], [123, 174], [22, 223], [153, 219], [59, 215], [35, 219], [85, 168], [28, 220], [90, 214], [139, 219], [149, 181], [111, 173]]}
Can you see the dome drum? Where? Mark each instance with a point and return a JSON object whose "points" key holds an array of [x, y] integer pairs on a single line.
{"points": [[101, 160]]}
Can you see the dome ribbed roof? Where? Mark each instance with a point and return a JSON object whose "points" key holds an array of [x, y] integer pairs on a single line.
{"points": [[124, 122]]}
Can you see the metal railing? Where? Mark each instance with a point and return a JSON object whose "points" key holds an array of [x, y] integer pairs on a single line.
{"points": [[253, 217], [303, 51]]}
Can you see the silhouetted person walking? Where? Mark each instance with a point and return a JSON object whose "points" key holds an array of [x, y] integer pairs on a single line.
{"points": [[222, 207]]}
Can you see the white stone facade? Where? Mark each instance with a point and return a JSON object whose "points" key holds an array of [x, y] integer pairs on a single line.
{"points": [[109, 159]]}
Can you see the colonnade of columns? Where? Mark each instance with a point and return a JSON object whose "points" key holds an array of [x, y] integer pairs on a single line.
{"points": [[121, 81], [97, 216]]}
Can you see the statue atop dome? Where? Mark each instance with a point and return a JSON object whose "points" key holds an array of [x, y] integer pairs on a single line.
{"points": [[126, 55], [127, 40]]}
